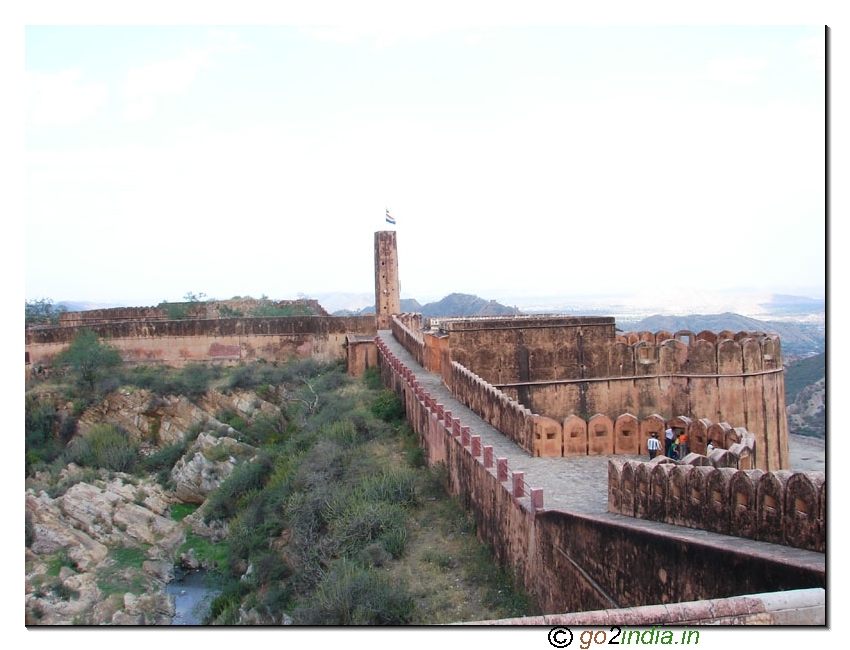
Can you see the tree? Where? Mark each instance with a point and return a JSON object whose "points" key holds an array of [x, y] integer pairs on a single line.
{"points": [[88, 357], [42, 312]]}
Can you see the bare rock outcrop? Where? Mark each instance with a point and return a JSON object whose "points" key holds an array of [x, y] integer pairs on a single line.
{"points": [[162, 421], [101, 549], [148, 417], [208, 462], [74, 569]]}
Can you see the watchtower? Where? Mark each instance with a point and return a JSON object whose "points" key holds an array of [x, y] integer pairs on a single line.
{"points": [[387, 301]]}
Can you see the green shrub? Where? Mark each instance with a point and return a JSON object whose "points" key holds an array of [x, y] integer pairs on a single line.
{"points": [[372, 378], [179, 511], [363, 523], [105, 446], [222, 502], [388, 407], [415, 457], [164, 458], [224, 608], [41, 424], [354, 595], [195, 379], [396, 487]]}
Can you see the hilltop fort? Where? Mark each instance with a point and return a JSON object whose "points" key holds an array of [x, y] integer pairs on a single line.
{"points": [[557, 388]]}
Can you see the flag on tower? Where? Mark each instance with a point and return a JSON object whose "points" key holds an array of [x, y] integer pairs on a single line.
{"points": [[390, 219]]}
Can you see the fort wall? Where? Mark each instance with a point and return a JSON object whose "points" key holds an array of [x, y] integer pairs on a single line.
{"points": [[572, 562], [236, 307], [567, 370], [778, 507], [223, 340]]}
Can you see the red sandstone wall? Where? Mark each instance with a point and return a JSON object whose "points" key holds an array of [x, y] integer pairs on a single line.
{"points": [[574, 563], [583, 563], [560, 367], [779, 507], [508, 350], [738, 381], [406, 331], [224, 340]]}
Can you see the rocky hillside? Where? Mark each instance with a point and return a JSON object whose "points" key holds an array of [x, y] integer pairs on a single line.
{"points": [[102, 546], [805, 395]]}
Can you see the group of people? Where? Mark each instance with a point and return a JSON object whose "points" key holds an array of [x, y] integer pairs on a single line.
{"points": [[676, 446]]}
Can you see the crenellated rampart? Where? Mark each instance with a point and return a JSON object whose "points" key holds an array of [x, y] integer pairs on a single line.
{"points": [[223, 340], [780, 507], [566, 386], [573, 562], [542, 436], [233, 308], [406, 330]]}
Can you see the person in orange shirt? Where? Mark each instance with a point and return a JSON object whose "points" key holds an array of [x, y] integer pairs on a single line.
{"points": [[683, 445]]}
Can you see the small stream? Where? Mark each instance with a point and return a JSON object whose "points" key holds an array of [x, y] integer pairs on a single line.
{"points": [[192, 597]]}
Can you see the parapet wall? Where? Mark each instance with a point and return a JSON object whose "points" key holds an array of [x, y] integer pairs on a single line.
{"points": [[225, 340], [778, 507], [575, 436], [537, 378], [237, 307], [575, 563], [406, 330]]}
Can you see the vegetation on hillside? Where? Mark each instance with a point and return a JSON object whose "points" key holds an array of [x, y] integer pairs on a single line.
{"points": [[336, 521], [802, 373], [805, 396], [42, 312]]}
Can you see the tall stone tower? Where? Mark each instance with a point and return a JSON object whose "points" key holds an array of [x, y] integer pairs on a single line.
{"points": [[387, 301]]}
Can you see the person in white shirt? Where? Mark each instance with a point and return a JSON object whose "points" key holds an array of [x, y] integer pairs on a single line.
{"points": [[653, 445]]}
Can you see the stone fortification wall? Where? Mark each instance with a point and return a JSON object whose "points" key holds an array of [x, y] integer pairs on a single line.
{"points": [[112, 315], [592, 563], [726, 377], [778, 507], [599, 434], [241, 307], [538, 379], [228, 340], [795, 607], [572, 562], [495, 407], [406, 330], [529, 349]]}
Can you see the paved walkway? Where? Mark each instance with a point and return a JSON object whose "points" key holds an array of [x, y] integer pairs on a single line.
{"points": [[579, 484]]}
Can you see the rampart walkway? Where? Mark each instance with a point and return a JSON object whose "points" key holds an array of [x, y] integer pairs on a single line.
{"points": [[579, 484]]}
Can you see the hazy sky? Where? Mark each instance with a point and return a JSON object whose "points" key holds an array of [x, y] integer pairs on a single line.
{"points": [[251, 160]]}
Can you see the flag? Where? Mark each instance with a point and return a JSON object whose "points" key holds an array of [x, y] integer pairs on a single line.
{"points": [[390, 219]]}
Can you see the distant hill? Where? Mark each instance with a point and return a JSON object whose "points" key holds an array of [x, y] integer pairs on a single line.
{"points": [[453, 305], [462, 304], [797, 339]]}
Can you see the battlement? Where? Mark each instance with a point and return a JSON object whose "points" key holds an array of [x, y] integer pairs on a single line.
{"points": [[220, 340], [537, 378], [198, 310], [778, 507], [556, 553], [457, 324]]}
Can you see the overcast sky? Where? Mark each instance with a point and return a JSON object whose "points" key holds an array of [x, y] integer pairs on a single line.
{"points": [[546, 160]]}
